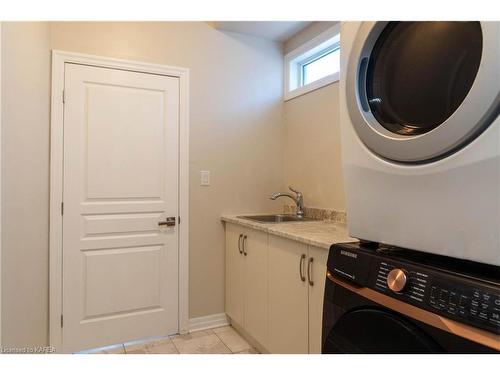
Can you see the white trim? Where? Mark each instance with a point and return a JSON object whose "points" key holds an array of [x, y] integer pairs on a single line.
{"points": [[311, 47], [59, 58], [0, 184], [208, 321], [184, 201], [312, 86]]}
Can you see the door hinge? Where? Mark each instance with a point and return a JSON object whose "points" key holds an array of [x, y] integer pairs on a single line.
{"points": [[62, 321], [179, 220], [64, 96], [62, 208]]}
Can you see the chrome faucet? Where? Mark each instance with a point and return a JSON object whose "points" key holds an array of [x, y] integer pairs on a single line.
{"points": [[298, 199]]}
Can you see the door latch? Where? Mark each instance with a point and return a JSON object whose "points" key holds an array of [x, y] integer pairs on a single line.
{"points": [[169, 222]]}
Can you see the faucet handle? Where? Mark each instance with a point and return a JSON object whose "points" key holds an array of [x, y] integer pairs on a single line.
{"points": [[295, 191]]}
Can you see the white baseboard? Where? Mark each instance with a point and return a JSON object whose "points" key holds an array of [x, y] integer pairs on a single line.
{"points": [[208, 321]]}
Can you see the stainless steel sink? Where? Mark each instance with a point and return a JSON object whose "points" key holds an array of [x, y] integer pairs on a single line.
{"points": [[280, 218]]}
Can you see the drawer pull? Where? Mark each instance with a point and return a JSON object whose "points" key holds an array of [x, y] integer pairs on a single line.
{"points": [[239, 244], [309, 271], [244, 245], [301, 264]]}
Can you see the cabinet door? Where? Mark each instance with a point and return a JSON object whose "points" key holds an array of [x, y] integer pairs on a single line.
{"points": [[235, 274], [317, 275], [256, 285], [288, 305]]}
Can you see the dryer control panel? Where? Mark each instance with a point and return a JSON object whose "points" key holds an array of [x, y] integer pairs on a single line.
{"points": [[454, 295], [479, 306]]}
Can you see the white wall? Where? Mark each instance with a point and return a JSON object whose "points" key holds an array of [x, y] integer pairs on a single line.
{"points": [[306, 34], [25, 183], [312, 160], [236, 132], [0, 184]]}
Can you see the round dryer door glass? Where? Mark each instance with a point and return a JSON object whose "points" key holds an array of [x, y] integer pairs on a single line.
{"points": [[420, 72]]}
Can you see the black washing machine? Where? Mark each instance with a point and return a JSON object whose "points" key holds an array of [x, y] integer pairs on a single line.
{"points": [[394, 301]]}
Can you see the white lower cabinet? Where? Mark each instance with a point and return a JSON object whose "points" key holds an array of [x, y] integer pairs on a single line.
{"points": [[247, 280], [317, 265], [235, 271], [275, 291], [288, 306]]}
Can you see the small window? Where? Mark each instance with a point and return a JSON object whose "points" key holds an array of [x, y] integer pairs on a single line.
{"points": [[314, 64], [328, 62]]}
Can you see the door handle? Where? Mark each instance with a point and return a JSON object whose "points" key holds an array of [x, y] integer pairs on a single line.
{"points": [[244, 245], [169, 222], [309, 271], [301, 262], [239, 244]]}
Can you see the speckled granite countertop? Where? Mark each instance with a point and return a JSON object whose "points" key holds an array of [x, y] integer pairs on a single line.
{"points": [[317, 233]]}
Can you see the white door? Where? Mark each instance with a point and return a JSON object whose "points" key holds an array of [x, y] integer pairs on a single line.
{"points": [[120, 267]]}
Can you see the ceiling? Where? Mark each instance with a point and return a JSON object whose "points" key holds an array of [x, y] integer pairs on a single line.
{"points": [[278, 31]]}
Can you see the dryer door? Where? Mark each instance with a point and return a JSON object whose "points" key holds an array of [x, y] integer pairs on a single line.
{"points": [[418, 91], [376, 331]]}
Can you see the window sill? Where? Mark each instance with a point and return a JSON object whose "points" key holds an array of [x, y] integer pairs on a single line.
{"points": [[312, 86]]}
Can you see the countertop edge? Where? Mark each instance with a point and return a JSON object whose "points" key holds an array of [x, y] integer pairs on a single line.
{"points": [[271, 229]]}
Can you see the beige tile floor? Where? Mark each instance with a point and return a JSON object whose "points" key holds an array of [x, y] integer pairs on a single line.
{"points": [[223, 340]]}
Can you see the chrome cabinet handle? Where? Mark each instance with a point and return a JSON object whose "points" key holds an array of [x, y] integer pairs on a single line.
{"points": [[169, 222], [244, 243], [301, 262], [309, 271], [239, 244]]}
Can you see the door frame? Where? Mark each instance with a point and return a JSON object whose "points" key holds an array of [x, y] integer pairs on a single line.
{"points": [[0, 184], [59, 59]]}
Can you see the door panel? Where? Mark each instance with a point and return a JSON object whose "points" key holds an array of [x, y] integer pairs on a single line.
{"points": [[319, 258], [235, 275], [133, 289], [256, 285], [288, 294], [120, 269], [98, 225], [114, 114]]}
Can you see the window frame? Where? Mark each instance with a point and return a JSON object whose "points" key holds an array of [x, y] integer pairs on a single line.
{"points": [[326, 42]]}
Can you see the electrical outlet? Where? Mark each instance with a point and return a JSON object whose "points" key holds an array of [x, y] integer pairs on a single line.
{"points": [[205, 178]]}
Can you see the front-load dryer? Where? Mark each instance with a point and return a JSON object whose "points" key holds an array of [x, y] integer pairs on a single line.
{"points": [[420, 131]]}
